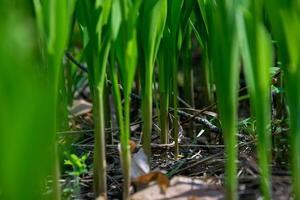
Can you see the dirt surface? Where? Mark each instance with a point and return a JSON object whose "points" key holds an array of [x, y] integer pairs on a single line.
{"points": [[197, 174]]}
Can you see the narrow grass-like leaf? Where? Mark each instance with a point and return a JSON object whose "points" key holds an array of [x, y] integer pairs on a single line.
{"points": [[224, 54], [285, 21], [54, 22], [256, 50], [25, 125]]}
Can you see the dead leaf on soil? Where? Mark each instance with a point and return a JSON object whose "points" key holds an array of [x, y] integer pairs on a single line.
{"points": [[140, 170], [181, 188], [80, 107]]}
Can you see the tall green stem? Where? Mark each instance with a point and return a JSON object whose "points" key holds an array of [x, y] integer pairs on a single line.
{"points": [[147, 112], [124, 123], [224, 54], [107, 113], [96, 51], [286, 33], [188, 69], [153, 18], [256, 51], [293, 98], [188, 75], [164, 117], [175, 94], [54, 66], [99, 149], [126, 154], [164, 84]]}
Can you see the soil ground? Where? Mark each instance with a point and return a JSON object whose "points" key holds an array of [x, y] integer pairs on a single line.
{"points": [[201, 157]]}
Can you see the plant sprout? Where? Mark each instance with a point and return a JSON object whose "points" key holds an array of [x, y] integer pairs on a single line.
{"points": [[286, 33], [54, 22], [94, 15], [257, 59], [224, 54], [124, 31], [154, 13]]}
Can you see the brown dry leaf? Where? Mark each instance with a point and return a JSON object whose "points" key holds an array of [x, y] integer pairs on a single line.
{"points": [[181, 188], [140, 170], [161, 180], [133, 147], [80, 107]]}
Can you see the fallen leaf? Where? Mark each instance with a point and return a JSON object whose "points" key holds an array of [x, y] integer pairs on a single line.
{"points": [[160, 178], [80, 107], [181, 188]]}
